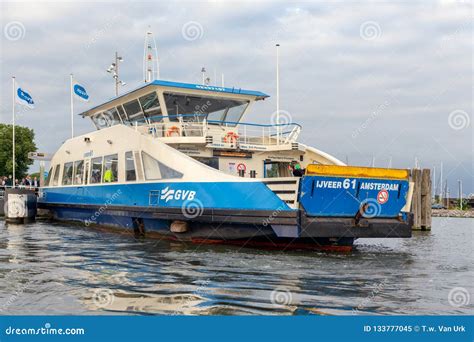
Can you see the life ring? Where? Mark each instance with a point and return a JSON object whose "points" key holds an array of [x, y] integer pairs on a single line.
{"points": [[172, 130], [231, 137]]}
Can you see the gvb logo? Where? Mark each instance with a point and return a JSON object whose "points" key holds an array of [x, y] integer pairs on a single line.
{"points": [[170, 194]]}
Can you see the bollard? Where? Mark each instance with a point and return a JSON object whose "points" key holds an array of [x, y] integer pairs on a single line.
{"points": [[20, 205]]}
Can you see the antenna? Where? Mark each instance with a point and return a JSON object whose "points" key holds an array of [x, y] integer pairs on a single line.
{"points": [[441, 181], [203, 73], [151, 68], [222, 79], [114, 70], [278, 92]]}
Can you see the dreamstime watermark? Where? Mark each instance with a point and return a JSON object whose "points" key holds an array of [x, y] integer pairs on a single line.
{"points": [[274, 214], [371, 297], [283, 120], [96, 215], [281, 296], [103, 297], [98, 34], [14, 30], [459, 297], [370, 30], [14, 208], [192, 30], [459, 119], [375, 114], [47, 329], [370, 208], [192, 208], [17, 293]]}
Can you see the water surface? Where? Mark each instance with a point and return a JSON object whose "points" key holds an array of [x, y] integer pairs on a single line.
{"points": [[56, 268]]}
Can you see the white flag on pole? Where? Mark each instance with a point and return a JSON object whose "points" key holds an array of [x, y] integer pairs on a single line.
{"points": [[23, 97]]}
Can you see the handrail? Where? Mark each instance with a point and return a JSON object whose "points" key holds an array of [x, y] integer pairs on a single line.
{"points": [[220, 121], [255, 124]]}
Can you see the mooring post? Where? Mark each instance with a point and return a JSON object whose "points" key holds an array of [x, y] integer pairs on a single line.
{"points": [[416, 201], [425, 200]]}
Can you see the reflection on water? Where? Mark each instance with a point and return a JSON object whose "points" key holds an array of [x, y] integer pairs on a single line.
{"points": [[52, 268]]}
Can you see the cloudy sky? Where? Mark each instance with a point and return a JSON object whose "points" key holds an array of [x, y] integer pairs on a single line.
{"points": [[367, 80]]}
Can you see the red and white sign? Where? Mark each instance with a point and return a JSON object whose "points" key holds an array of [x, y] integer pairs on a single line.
{"points": [[241, 167], [382, 196]]}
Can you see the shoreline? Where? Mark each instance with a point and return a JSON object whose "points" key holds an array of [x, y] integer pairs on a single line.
{"points": [[452, 213]]}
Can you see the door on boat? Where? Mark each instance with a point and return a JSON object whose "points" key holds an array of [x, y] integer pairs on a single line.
{"points": [[275, 169]]}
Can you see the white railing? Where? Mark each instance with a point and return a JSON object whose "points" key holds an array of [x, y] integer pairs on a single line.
{"points": [[231, 133]]}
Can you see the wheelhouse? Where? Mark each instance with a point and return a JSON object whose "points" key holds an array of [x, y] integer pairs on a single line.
{"points": [[168, 102]]}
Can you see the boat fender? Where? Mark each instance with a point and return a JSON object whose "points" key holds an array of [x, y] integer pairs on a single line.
{"points": [[179, 227]]}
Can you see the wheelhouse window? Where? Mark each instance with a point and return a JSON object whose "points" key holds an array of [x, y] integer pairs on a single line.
{"points": [[106, 118], [110, 168], [122, 115], [50, 174], [155, 169], [151, 107], [56, 175], [134, 111], [67, 174], [78, 172], [96, 170], [130, 173], [196, 108]]}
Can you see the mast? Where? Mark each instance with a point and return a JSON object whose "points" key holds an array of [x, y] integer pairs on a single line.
{"points": [[151, 69]]}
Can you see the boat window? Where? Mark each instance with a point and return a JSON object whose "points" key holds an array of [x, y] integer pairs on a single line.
{"points": [[139, 165], [67, 174], [212, 162], [112, 116], [96, 172], [106, 118], [49, 176], [155, 169], [234, 113], [151, 107], [195, 108], [134, 111], [122, 115], [86, 173], [110, 168], [276, 169], [56, 175], [130, 174], [218, 115], [78, 172]]}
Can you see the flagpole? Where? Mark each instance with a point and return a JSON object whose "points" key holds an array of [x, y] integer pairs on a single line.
{"points": [[13, 131], [72, 109]]}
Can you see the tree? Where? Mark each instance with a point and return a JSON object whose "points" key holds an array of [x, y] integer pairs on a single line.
{"points": [[24, 139]]}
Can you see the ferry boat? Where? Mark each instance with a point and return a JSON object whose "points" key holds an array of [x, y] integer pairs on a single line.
{"points": [[175, 160]]}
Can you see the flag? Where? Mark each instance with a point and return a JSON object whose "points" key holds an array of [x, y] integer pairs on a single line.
{"points": [[24, 98], [80, 92]]}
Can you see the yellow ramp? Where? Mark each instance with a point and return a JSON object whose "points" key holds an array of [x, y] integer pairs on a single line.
{"points": [[357, 171]]}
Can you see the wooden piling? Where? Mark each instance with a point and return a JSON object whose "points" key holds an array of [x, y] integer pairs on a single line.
{"points": [[426, 199], [421, 202]]}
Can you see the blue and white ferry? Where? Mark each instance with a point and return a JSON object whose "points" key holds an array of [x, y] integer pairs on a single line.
{"points": [[175, 160]]}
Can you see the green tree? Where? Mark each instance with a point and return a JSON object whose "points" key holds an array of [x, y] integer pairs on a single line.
{"points": [[24, 139]]}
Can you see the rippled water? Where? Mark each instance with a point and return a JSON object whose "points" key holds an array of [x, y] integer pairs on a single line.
{"points": [[52, 268]]}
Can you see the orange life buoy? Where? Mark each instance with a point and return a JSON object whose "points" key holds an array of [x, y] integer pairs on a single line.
{"points": [[172, 130], [231, 137]]}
